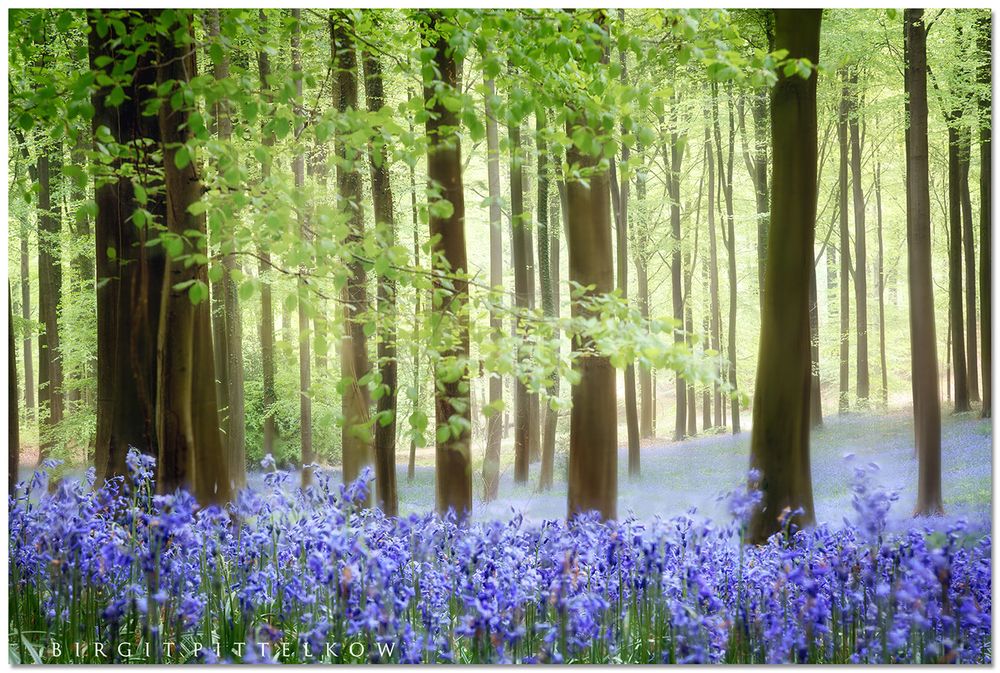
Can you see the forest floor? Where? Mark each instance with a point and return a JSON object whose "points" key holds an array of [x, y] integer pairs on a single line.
{"points": [[678, 476]]}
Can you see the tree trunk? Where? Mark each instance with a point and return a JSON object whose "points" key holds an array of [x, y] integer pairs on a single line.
{"points": [[494, 430], [27, 357], [881, 288], [519, 253], [411, 466], [13, 422], [640, 254], [545, 283], [816, 390], [593, 441], [235, 423], [356, 441], [923, 342], [955, 297], [985, 209], [130, 277], [673, 185], [191, 453], [619, 203], [715, 319], [50, 393], [729, 239], [969, 250], [385, 428], [779, 443], [843, 286], [305, 364], [453, 461], [860, 262], [266, 309]]}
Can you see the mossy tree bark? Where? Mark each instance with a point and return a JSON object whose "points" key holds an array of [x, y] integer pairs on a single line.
{"points": [[519, 254], [494, 429]]}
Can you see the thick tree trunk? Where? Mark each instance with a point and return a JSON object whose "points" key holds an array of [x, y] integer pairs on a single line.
{"points": [[843, 286], [385, 430], [955, 297], [266, 308], [779, 442], [969, 251], [26, 349], [130, 281], [881, 288], [191, 453], [356, 441], [494, 429], [923, 342], [50, 393], [860, 257], [548, 306], [593, 441], [305, 364], [520, 246], [453, 461], [984, 25]]}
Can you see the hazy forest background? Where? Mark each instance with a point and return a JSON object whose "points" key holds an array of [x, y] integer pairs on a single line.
{"points": [[234, 233]]}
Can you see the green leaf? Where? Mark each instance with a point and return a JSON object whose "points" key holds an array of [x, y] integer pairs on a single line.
{"points": [[182, 158], [198, 292]]}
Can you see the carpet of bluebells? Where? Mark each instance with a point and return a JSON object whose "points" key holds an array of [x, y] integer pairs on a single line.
{"points": [[120, 574]]}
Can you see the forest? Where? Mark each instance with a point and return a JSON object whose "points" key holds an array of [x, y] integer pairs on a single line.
{"points": [[499, 335]]}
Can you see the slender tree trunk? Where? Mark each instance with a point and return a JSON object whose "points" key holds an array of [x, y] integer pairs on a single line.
{"points": [[955, 297], [494, 430], [444, 169], [50, 393], [305, 365], [860, 262], [816, 390], [619, 204], [130, 279], [969, 251], [234, 375], [411, 467], [548, 306], [843, 286], [266, 309], [356, 441], [640, 255], [26, 349], [13, 421], [926, 403], [729, 239], [984, 25], [385, 428], [593, 441], [191, 452], [519, 253], [83, 267], [881, 288], [673, 184], [715, 319], [692, 400], [779, 444]]}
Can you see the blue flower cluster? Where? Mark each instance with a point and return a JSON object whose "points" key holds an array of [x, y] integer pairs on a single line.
{"points": [[120, 574]]}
